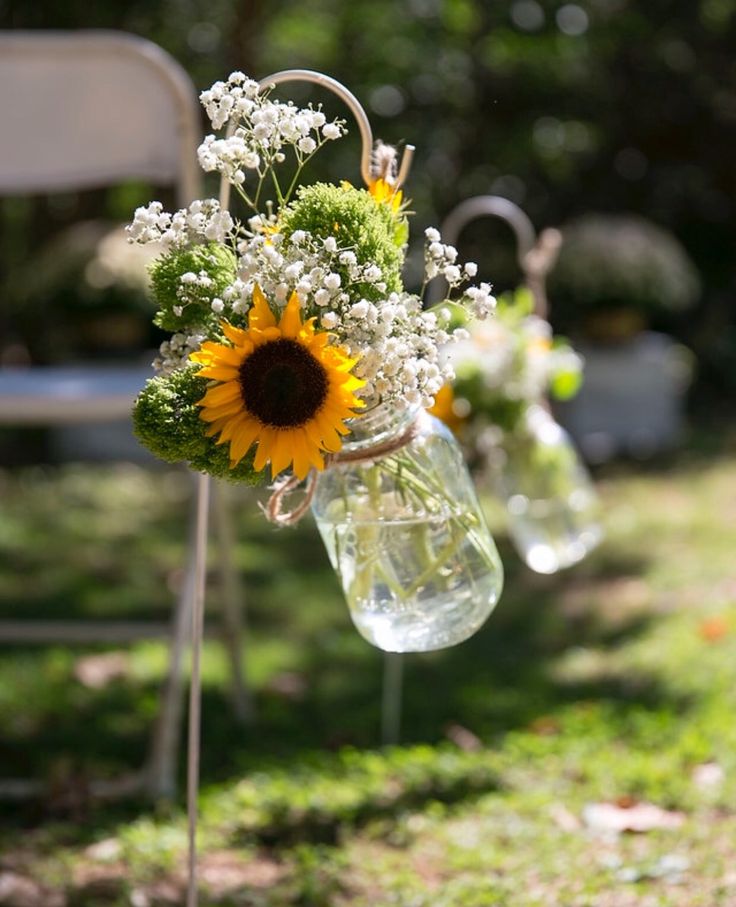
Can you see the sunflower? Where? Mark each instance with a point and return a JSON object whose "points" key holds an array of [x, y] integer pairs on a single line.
{"points": [[280, 385], [447, 409], [383, 191]]}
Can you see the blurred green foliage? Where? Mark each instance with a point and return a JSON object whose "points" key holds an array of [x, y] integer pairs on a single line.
{"points": [[616, 684], [564, 107]]}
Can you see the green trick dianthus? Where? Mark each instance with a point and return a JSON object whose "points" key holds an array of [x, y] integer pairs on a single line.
{"points": [[166, 420], [185, 281], [357, 222]]}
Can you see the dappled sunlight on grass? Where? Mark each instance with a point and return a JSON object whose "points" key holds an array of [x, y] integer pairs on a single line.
{"points": [[614, 680]]}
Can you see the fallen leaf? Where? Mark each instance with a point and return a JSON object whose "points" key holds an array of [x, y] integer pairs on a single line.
{"points": [[93, 881], [637, 817], [289, 685], [545, 726], [563, 818], [139, 898], [713, 629], [670, 868], [226, 873], [104, 851], [708, 774], [19, 891], [463, 738], [98, 671]]}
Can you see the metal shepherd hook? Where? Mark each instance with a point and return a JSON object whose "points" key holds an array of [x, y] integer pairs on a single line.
{"points": [[203, 486]]}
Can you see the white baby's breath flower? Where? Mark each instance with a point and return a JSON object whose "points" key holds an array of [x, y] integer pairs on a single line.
{"points": [[395, 343], [306, 144], [294, 270], [452, 274], [331, 131], [360, 309]]}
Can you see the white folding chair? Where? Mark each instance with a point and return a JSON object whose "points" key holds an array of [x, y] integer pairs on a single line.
{"points": [[82, 110]]}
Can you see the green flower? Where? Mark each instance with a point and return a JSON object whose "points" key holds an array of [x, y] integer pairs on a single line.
{"points": [[166, 420], [358, 223], [185, 281]]}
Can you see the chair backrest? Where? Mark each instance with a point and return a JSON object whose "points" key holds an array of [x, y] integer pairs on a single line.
{"points": [[80, 110]]}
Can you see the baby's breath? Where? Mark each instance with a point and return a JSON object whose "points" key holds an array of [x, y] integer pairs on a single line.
{"points": [[339, 249], [260, 132]]}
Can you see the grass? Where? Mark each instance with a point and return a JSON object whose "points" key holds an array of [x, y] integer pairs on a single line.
{"points": [[614, 682]]}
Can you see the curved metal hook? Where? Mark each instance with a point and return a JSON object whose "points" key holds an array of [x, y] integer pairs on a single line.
{"points": [[494, 206], [366, 134], [536, 256]]}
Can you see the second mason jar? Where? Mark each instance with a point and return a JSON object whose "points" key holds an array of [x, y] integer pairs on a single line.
{"points": [[552, 506]]}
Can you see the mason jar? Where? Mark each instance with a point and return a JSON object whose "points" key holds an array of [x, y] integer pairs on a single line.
{"points": [[552, 506], [404, 531]]}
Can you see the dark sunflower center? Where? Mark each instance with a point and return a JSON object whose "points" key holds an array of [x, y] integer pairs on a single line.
{"points": [[283, 384]]}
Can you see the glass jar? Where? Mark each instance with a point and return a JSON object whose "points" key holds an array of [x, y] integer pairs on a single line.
{"points": [[401, 523], [550, 500]]}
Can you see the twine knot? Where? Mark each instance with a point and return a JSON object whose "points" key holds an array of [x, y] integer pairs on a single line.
{"points": [[286, 485]]}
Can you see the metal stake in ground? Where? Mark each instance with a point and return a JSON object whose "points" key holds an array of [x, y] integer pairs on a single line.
{"points": [[195, 691]]}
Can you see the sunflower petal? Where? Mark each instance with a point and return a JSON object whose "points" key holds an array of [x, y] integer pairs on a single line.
{"points": [[316, 459], [300, 451], [265, 335], [265, 445], [291, 320], [237, 336], [260, 315], [219, 425], [212, 413], [229, 425], [242, 440], [315, 342], [222, 393], [329, 430], [218, 372], [282, 453]]}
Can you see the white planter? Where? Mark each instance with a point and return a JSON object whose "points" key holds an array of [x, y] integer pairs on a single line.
{"points": [[632, 398]]}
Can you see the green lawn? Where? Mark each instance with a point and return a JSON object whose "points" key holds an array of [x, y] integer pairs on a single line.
{"points": [[613, 683]]}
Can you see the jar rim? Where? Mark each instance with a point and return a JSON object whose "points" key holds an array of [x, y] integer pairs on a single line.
{"points": [[379, 423]]}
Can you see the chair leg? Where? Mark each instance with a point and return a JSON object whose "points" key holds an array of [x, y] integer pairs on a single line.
{"points": [[233, 606]]}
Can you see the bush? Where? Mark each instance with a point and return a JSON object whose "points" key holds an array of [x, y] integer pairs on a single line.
{"points": [[612, 262]]}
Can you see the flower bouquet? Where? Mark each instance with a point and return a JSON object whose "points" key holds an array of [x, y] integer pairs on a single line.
{"points": [[297, 355], [504, 372]]}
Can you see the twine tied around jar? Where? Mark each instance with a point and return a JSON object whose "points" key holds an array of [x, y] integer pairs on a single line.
{"points": [[283, 487], [375, 163]]}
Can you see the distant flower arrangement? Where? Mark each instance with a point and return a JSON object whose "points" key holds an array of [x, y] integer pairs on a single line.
{"points": [[291, 323], [505, 365]]}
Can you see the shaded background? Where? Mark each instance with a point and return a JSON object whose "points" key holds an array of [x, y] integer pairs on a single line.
{"points": [[565, 108], [614, 683]]}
